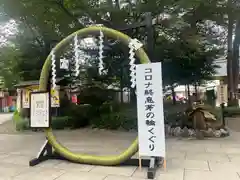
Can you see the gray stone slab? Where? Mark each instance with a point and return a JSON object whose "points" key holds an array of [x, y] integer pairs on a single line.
{"points": [[227, 150], [188, 164], [172, 175], [122, 171], [209, 157], [227, 167], [10, 170], [173, 154], [81, 176], [234, 157], [112, 177], [200, 175], [16, 159], [215, 157], [187, 147], [49, 164], [5, 117], [68, 166], [4, 155], [161, 174], [39, 174]]}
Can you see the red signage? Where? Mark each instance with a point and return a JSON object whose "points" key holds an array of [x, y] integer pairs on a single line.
{"points": [[74, 98]]}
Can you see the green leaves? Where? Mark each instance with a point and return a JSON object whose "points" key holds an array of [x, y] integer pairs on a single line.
{"points": [[185, 41], [9, 66]]}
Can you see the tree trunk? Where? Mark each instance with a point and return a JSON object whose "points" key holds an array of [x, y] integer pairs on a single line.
{"points": [[236, 44], [121, 84], [150, 36], [188, 93], [173, 95], [196, 92], [117, 4], [230, 55]]}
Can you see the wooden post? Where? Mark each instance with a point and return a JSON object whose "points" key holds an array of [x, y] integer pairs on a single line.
{"points": [[164, 164], [140, 162]]}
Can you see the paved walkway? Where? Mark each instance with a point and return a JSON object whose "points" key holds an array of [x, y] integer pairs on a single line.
{"points": [[216, 159], [5, 117]]}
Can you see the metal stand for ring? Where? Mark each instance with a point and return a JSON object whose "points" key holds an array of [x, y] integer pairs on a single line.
{"points": [[47, 153]]}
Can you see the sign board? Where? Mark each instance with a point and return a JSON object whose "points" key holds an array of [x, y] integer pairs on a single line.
{"points": [[222, 94], [74, 98], [64, 64], [1, 94], [18, 100], [55, 100], [39, 110], [150, 110], [26, 95]]}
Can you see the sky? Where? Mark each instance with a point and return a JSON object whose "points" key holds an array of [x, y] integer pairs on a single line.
{"points": [[7, 30]]}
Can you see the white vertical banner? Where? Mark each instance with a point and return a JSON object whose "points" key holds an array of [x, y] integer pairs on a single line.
{"points": [[150, 110], [222, 94], [18, 100], [25, 98]]}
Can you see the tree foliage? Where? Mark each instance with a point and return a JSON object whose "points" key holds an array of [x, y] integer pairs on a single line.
{"points": [[187, 38]]}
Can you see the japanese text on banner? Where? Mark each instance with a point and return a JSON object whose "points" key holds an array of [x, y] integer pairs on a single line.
{"points": [[149, 108]]}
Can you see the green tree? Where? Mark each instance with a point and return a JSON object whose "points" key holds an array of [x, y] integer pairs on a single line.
{"points": [[9, 67], [181, 40], [41, 24]]}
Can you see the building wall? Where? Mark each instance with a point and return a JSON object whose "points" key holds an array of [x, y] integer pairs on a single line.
{"points": [[222, 70], [6, 102]]}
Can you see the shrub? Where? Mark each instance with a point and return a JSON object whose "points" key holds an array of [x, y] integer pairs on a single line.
{"points": [[60, 122], [129, 117], [110, 106], [95, 95], [22, 124], [16, 116], [128, 122], [176, 119], [175, 114], [231, 111], [115, 120], [107, 121], [56, 123], [114, 116], [80, 115]]}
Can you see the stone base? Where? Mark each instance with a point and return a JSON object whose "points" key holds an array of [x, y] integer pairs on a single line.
{"points": [[199, 134]]}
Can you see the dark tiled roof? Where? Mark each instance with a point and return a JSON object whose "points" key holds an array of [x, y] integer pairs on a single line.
{"points": [[30, 83]]}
